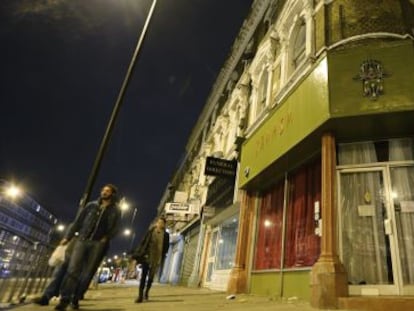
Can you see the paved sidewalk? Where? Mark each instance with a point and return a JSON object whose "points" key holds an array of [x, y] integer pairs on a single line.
{"points": [[120, 297]]}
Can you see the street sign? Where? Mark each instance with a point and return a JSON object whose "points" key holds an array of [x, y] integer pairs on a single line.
{"points": [[220, 167], [181, 208]]}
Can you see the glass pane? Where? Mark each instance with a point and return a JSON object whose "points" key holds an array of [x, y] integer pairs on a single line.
{"points": [[209, 271], [269, 236], [227, 244], [302, 244], [365, 246], [299, 45], [213, 244], [402, 181]]}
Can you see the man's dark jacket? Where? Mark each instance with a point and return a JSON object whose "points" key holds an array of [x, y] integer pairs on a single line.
{"points": [[90, 216], [141, 252]]}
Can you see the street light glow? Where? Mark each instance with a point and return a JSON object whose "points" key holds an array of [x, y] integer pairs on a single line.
{"points": [[13, 191], [60, 228], [124, 205], [127, 232]]}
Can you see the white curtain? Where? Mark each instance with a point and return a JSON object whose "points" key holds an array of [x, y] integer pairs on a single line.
{"points": [[402, 181], [362, 209]]}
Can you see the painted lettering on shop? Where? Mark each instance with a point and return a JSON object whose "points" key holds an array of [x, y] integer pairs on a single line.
{"points": [[276, 131]]}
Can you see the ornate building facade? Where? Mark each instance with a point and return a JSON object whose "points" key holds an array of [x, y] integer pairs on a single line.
{"points": [[314, 103]]}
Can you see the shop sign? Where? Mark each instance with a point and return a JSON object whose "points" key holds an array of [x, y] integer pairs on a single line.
{"points": [[181, 208], [220, 167]]}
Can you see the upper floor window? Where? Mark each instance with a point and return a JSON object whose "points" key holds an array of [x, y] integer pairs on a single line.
{"points": [[299, 45], [262, 93], [276, 80]]}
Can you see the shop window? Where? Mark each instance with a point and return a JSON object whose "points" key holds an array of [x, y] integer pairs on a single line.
{"points": [[227, 244], [269, 239], [302, 244], [400, 149]]}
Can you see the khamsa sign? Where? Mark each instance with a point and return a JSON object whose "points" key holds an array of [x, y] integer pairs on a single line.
{"points": [[220, 167]]}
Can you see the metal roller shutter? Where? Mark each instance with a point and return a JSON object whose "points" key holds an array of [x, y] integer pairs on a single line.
{"points": [[190, 251]]}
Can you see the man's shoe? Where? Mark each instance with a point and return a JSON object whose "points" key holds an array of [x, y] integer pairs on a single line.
{"points": [[75, 305], [41, 301], [61, 306], [139, 299]]}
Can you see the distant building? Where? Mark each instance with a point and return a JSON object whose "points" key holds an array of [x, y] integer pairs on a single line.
{"points": [[25, 231]]}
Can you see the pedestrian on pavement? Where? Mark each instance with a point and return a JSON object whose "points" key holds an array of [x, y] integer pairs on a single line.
{"points": [[53, 287], [150, 252], [96, 224]]}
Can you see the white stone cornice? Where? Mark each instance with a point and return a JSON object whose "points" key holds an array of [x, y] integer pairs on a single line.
{"points": [[374, 35]]}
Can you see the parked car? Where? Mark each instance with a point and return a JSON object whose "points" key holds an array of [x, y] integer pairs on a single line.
{"points": [[104, 275]]}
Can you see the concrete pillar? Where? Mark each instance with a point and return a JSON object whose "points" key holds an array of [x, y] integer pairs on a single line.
{"points": [[238, 280], [328, 276]]}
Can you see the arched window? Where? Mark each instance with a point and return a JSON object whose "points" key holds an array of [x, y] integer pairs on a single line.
{"points": [[299, 45]]}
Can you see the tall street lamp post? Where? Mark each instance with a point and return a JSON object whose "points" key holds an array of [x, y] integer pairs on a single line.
{"points": [[115, 111]]}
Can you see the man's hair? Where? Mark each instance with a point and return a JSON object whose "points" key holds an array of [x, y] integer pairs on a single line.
{"points": [[113, 188], [114, 196]]}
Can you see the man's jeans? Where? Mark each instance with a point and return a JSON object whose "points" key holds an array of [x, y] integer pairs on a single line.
{"points": [[53, 287], [82, 261]]}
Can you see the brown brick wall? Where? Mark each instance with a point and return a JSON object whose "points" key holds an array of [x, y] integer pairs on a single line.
{"points": [[347, 18]]}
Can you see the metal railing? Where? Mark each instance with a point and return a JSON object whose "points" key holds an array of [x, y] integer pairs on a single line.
{"points": [[24, 268]]}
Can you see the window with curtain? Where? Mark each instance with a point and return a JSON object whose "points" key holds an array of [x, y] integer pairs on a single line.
{"points": [[302, 244], [402, 182], [365, 257], [365, 246], [269, 238]]}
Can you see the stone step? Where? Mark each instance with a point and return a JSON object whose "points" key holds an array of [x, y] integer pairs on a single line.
{"points": [[377, 303]]}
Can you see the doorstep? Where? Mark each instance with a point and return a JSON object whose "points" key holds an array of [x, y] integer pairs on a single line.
{"points": [[377, 303]]}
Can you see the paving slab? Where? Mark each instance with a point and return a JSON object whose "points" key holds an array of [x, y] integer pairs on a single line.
{"points": [[120, 297]]}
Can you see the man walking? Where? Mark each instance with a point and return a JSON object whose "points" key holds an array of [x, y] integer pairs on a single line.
{"points": [[150, 253], [96, 224], [53, 287]]}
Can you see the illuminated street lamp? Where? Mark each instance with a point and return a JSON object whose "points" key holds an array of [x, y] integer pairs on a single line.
{"points": [[127, 233], [123, 204], [12, 191], [60, 227]]}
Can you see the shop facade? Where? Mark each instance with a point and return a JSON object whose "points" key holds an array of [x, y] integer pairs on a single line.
{"points": [[315, 103], [330, 177]]}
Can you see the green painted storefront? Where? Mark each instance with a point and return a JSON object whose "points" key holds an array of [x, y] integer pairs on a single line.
{"points": [[329, 98]]}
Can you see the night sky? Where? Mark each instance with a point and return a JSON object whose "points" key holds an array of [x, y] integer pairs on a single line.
{"points": [[62, 66]]}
